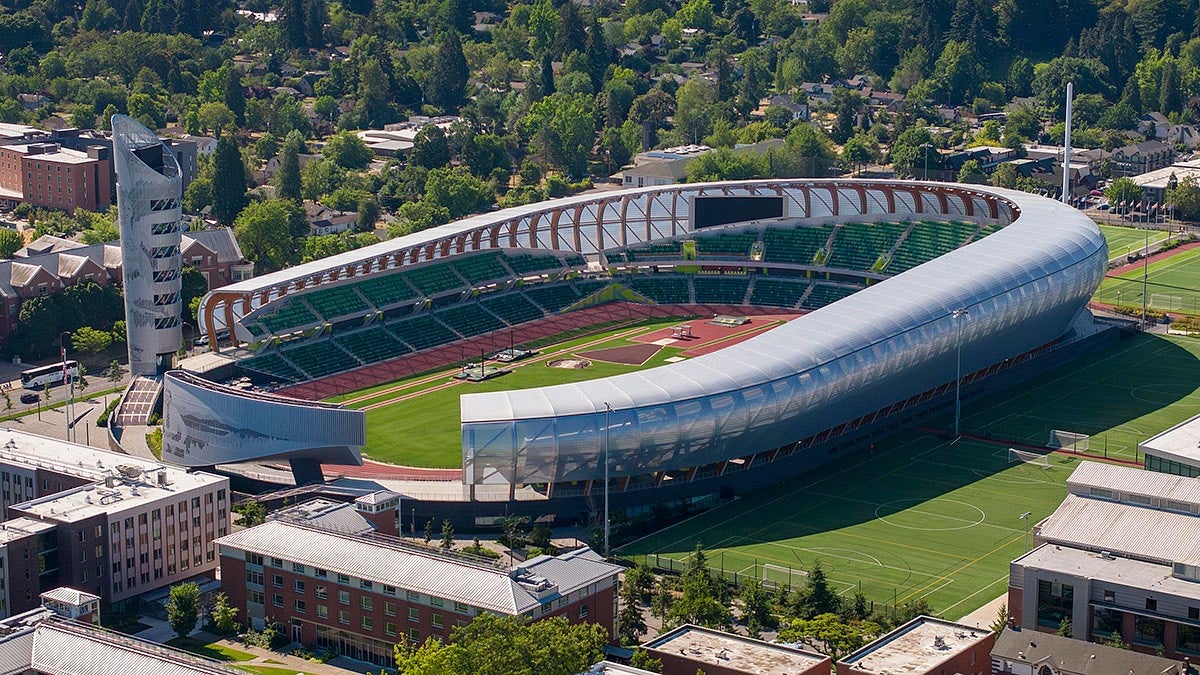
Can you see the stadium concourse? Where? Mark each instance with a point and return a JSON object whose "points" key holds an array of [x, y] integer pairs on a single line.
{"points": [[898, 282]]}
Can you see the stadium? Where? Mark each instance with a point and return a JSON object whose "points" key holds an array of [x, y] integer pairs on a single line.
{"points": [[740, 333]]}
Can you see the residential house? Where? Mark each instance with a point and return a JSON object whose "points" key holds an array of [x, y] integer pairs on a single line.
{"points": [[1139, 158], [1025, 652], [324, 220], [799, 111]]}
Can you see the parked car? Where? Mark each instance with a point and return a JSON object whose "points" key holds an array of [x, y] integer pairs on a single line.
{"points": [[29, 397]]}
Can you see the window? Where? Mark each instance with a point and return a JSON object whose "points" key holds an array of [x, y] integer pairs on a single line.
{"points": [[436, 620], [1147, 631], [298, 586], [547, 607], [1187, 638], [277, 580], [1194, 613], [321, 592], [414, 635], [389, 590], [277, 562], [389, 629], [414, 614], [320, 573], [1054, 603], [255, 597], [1152, 604], [583, 611], [343, 616], [461, 608], [301, 606], [437, 602], [298, 568], [277, 600], [368, 623], [367, 602], [322, 612], [1110, 596], [413, 596], [389, 608], [365, 585], [343, 597], [343, 578]]}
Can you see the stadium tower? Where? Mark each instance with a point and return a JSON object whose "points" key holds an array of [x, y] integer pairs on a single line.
{"points": [[149, 188]]}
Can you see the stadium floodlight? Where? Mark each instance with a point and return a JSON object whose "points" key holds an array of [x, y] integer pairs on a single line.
{"points": [[1025, 517], [607, 414], [958, 314]]}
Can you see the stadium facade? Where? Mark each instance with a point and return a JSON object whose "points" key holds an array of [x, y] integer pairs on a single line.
{"points": [[775, 405], [149, 188]]}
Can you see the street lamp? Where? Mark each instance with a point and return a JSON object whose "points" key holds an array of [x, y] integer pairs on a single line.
{"points": [[1025, 517], [925, 151], [607, 414], [68, 381], [959, 315]]}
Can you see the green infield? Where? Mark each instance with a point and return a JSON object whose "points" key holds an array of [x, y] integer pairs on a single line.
{"points": [[926, 518], [1123, 240], [415, 422], [1173, 285]]}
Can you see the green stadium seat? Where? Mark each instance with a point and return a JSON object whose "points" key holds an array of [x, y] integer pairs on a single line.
{"points": [[434, 279], [777, 292], [825, 294], [479, 268], [372, 344], [928, 240], [552, 297], [670, 250], [797, 245], [663, 290], [514, 308], [386, 288], [422, 331], [526, 264], [726, 245], [337, 301], [319, 359], [469, 319], [721, 290], [273, 364], [292, 314], [857, 246]]}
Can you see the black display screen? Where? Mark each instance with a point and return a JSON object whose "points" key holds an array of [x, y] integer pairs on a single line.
{"points": [[713, 211]]}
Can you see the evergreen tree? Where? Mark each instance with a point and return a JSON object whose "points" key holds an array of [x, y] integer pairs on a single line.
{"points": [[293, 23], [229, 179], [448, 78], [459, 16], [188, 19], [287, 179], [598, 54], [1170, 97], [447, 535], [314, 23], [547, 87], [569, 36], [234, 95]]}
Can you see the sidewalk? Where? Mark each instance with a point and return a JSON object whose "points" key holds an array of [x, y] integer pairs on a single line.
{"points": [[161, 631]]}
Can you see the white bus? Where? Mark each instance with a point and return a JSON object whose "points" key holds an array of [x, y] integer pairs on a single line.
{"points": [[38, 378]]}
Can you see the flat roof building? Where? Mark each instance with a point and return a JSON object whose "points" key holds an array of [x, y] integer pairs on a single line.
{"points": [[49, 175], [1119, 558], [923, 646], [1174, 451], [689, 648], [359, 594]]}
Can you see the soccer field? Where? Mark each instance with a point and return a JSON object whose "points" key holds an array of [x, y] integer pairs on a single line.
{"points": [[924, 518], [1123, 240], [1173, 285]]}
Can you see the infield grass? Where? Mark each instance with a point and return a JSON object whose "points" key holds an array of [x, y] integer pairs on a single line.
{"points": [[926, 518], [1123, 240]]}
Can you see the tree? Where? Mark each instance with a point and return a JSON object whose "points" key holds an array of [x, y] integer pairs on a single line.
{"points": [[262, 230], [10, 241], [563, 129], [448, 75], [39, 319], [347, 151], [701, 601], [651, 110], [756, 607], [447, 535], [456, 190], [1184, 198], [287, 179], [215, 117], [224, 615], [229, 180], [1001, 621], [1123, 191], [856, 153], [430, 148], [294, 24], [114, 373], [971, 172], [503, 645], [725, 164], [815, 597], [250, 514], [1005, 176], [90, 341], [428, 531], [233, 94], [1064, 627], [642, 659], [183, 608], [837, 637], [632, 625]]}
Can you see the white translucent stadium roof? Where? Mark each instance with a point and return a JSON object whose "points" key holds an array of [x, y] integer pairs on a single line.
{"points": [[1047, 237]]}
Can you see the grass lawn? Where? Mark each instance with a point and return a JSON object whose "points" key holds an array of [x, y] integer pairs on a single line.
{"points": [[213, 651], [270, 670], [425, 430], [1173, 284], [1122, 240], [924, 518]]}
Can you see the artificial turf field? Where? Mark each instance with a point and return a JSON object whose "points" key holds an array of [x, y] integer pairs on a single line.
{"points": [[415, 421], [924, 518], [1173, 285], [1123, 240]]}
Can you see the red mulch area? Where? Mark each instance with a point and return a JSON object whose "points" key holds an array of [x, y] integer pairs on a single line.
{"points": [[707, 338], [439, 357], [632, 355], [1135, 266]]}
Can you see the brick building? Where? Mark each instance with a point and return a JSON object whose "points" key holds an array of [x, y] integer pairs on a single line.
{"points": [[359, 594], [688, 649], [50, 175], [109, 524], [924, 646]]}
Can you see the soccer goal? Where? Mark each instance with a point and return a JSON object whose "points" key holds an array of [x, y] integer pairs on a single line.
{"points": [[1067, 439], [1034, 458]]}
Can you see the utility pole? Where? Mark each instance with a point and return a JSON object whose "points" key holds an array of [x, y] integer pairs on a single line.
{"points": [[1066, 183], [607, 415], [959, 315]]}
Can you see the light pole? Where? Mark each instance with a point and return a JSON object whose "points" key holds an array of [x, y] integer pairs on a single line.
{"points": [[607, 414], [69, 381], [925, 151], [1025, 517], [959, 315], [1145, 278]]}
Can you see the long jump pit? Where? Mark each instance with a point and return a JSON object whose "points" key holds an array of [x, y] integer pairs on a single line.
{"points": [[704, 336], [630, 355]]}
